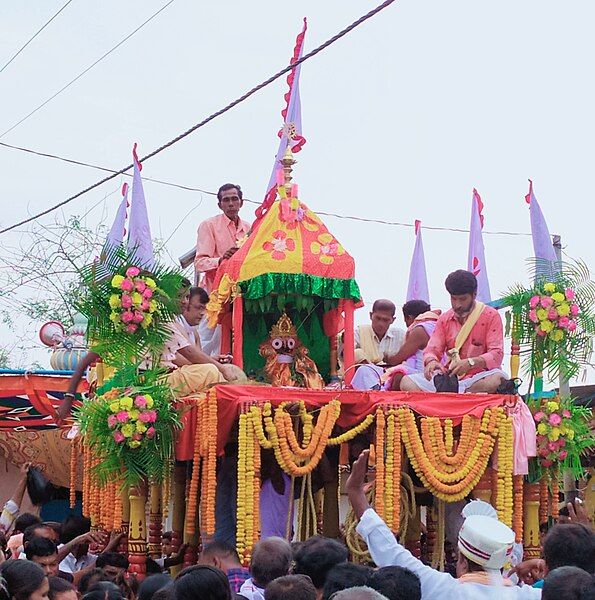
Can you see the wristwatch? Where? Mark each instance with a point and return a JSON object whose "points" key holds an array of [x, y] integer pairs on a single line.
{"points": [[471, 362]]}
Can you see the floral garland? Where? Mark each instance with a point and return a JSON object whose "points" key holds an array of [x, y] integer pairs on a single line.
{"points": [[554, 322], [128, 309], [130, 430], [504, 487], [563, 434], [446, 481], [132, 305], [131, 419], [554, 312], [294, 458]]}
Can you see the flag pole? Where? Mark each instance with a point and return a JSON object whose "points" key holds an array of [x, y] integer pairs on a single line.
{"points": [[570, 492]]}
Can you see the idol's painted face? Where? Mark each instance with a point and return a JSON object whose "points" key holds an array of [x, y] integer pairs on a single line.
{"points": [[462, 305]]}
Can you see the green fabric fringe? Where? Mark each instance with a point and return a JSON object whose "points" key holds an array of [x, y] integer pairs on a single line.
{"points": [[299, 284]]}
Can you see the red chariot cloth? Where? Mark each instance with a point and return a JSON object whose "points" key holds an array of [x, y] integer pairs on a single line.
{"points": [[355, 406]]}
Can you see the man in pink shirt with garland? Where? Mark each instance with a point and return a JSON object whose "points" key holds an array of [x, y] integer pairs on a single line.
{"points": [[218, 239], [219, 236], [468, 342]]}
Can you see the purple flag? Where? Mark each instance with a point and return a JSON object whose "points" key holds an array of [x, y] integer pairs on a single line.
{"points": [[291, 132], [140, 243], [115, 237], [542, 241], [418, 279], [476, 262]]}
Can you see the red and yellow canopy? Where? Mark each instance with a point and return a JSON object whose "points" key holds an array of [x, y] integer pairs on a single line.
{"points": [[289, 251]]}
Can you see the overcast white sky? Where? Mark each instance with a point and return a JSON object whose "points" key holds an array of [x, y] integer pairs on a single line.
{"points": [[402, 118]]}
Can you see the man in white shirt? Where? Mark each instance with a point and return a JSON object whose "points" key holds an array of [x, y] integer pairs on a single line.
{"points": [[375, 343], [484, 546]]}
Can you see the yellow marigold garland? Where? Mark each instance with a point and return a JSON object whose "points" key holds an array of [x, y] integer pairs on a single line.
{"points": [[397, 460], [352, 433], [257, 485], [389, 473], [241, 533], [505, 468], [380, 436]]}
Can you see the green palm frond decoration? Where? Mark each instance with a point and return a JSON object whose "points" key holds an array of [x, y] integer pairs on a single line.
{"points": [[555, 334], [111, 340]]}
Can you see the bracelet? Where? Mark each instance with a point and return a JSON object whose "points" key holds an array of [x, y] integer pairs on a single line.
{"points": [[68, 394]]}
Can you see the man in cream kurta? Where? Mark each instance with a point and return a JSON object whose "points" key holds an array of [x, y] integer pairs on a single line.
{"points": [[375, 343]]}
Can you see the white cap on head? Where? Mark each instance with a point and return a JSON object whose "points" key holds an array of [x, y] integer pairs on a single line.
{"points": [[486, 541], [479, 507]]}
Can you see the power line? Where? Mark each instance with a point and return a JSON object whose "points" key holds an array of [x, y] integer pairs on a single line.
{"points": [[211, 117], [33, 37], [202, 191], [87, 69], [81, 163]]}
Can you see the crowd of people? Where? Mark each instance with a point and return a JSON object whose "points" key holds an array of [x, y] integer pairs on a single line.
{"points": [[41, 560]]}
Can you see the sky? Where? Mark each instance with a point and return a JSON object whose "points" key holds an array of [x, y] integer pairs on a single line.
{"points": [[403, 118]]}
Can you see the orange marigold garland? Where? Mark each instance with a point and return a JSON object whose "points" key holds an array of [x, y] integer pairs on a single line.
{"points": [[74, 449], [517, 514], [555, 494], [544, 498], [380, 436], [118, 507], [191, 505], [295, 459], [86, 478], [446, 485]]}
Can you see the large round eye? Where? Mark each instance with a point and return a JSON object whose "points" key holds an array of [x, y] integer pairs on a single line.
{"points": [[277, 343], [291, 343]]}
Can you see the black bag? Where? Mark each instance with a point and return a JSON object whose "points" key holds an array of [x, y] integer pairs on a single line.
{"points": [[445, 382], [39, 487]]}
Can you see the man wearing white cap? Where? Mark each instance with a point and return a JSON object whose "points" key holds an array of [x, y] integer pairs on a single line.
{"points": [[485, 545]]}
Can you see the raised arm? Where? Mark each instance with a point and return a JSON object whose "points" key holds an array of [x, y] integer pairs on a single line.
{"points": [[12, 506], [382, 544], [66, 404]]}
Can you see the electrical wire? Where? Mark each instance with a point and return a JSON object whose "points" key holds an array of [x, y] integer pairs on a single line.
{"points": [[211, 117], [33, 37], [202, 191], [62, 89], [81, 163]]}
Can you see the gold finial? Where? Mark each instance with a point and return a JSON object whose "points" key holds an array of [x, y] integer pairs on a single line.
{"points": [[283, 328], [288, 161]]}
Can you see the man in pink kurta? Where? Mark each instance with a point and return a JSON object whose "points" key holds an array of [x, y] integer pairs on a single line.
{"points": [[218, 236], [479, 367]]}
